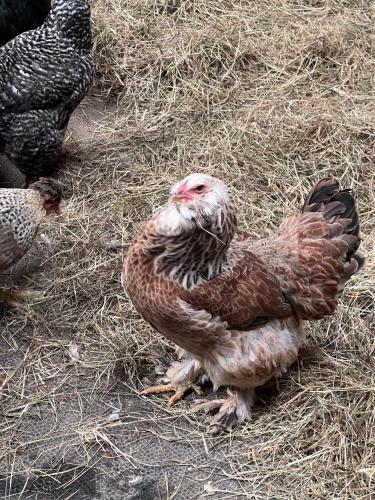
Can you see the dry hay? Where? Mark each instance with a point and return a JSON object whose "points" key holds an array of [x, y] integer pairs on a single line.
{"points": [[270, 96]]}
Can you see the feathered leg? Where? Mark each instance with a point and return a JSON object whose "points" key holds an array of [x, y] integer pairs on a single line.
{"points": [[231, 412], [180, 378]]}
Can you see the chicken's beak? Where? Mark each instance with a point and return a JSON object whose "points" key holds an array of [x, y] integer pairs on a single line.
{"points": [[177, 197]]}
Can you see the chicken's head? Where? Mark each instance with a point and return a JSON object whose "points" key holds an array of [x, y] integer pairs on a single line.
{"points": [[193, 231], [198, 201], [51, 191], [201, 189]]}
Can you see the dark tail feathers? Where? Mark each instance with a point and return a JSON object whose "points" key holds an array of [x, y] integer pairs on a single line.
{"points": [[336, 204]]}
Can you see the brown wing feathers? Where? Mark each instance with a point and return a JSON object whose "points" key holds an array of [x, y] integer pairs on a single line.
{"points": [[303, 267]]}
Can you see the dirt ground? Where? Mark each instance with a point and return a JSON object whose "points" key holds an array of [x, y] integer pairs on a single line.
{"points": [[270, 96]]}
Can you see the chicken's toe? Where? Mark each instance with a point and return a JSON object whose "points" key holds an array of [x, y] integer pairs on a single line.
{"points": [[157, 389], [226, 419], [231, 412], [206, 405], [179, 391]]}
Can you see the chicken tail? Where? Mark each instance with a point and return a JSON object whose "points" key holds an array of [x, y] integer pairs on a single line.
{"points": [[314, 253], [338, 206]]}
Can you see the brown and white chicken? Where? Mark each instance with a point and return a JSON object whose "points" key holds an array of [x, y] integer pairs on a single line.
{"points": [[21, 212], [234, 304]]}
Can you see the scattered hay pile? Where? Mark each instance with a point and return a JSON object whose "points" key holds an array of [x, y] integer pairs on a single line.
{"points": [[270, 96]]}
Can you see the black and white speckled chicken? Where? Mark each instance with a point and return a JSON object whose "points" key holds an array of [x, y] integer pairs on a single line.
{"points": [[21, 212], [44, 75], [17, 16]]}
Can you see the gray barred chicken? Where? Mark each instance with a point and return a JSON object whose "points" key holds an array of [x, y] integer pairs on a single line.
{"points": [[235, 304], [44, 75], [21, 212], [17, 16]]}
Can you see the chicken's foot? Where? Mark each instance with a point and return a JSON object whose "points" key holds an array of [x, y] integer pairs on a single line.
{"points": [[180, 377], [230, 412], [179, 391]]}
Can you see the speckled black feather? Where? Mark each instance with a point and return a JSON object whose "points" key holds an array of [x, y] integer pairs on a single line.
{"points": [[17, 16], [44, 75]]}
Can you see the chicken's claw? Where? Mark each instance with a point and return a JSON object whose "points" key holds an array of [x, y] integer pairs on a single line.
{"points": [[180, 391], [229, 412]]}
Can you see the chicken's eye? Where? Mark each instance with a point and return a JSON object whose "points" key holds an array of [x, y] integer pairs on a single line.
{"points": [[200, 188]]}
